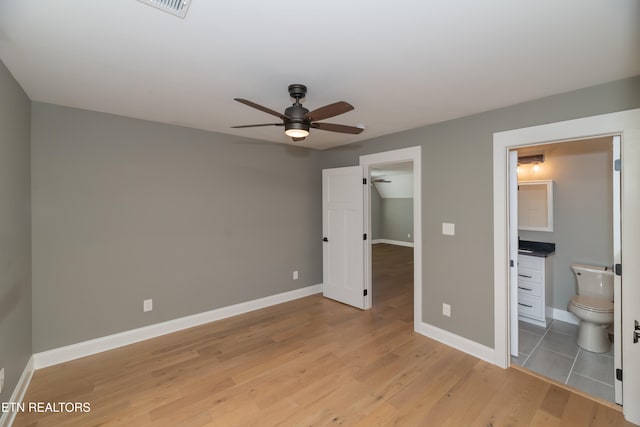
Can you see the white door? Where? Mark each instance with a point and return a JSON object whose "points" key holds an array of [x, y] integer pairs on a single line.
{"points": [[630, 243], [343, 235], [617, 279], [513, 251]]}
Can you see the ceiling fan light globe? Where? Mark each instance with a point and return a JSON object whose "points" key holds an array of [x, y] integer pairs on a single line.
{"points": [[296, 130], [297, 133]]}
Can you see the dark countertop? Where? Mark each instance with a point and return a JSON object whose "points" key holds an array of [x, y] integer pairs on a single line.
{"points": [[539, 249]]}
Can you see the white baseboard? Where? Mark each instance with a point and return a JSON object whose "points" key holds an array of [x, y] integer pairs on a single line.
{"points": [[6, 418], [565, 316], [109, 342], [392, 242], [456, 341]]}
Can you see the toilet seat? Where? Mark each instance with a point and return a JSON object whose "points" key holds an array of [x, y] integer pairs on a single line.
{"points": [[594, 304]]}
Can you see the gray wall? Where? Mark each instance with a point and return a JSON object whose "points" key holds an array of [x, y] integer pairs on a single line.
{"points": [[457, 180], [391, 218], [376, 214], [125, 210], [397, 219], [582, 229], [15, 231]]}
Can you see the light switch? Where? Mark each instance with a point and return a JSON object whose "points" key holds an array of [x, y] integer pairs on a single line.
{"points": [[448, 229]]}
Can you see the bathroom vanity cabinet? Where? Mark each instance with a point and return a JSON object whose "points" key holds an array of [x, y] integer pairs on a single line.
{"points": [[535, 289]]}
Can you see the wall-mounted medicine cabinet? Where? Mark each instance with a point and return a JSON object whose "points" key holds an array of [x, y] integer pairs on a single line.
{"points": [[535, 205]]}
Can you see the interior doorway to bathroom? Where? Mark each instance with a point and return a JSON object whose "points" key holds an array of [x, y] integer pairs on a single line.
{"points": [[582, 179]]}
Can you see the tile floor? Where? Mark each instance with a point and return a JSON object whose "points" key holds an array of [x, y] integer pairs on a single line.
{"points": [[553, 352]]}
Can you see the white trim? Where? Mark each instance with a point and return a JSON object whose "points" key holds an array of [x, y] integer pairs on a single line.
{"points": [[570, 130], [456, 341], [565, 316], [109, 342], [616, 145], [413, 154], [7, 418], [392, 242]]}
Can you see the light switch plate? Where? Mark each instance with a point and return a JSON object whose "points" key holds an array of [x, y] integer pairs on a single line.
{"points": [[448, 229]]}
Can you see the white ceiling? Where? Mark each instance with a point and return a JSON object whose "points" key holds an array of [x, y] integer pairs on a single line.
{"points": [[402, 64]]}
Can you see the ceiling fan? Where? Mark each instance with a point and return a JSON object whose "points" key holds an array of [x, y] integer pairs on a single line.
{"points": [[297, 120]]}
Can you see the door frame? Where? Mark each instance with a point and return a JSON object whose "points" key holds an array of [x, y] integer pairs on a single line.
{"points": [[513, 253], [514, 339], [367, 162], [620, 123]]}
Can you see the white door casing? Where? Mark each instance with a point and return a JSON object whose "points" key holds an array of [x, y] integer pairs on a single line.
{"points": [[617, 280], [367, 161], [343, 230], [513, 252], [630, 248]]}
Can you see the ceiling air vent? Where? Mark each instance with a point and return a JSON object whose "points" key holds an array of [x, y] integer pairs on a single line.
{"points": [[174, 7]]}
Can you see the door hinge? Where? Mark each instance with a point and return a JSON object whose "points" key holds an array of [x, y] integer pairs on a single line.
{"points": [[617, 166], [364, 236], [619, 374], [511, 263], [365, 292], [364, 181], [618, 269]]}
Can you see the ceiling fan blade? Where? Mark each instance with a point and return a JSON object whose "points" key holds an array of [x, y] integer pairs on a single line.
{"points": [[261, 108], [332, 127], [255, 126], [327, 111]]}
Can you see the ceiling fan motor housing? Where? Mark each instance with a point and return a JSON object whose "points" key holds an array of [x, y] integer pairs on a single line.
{"points": [[295, 114]]}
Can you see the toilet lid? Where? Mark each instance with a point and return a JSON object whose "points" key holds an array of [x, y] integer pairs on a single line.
{"points": [[592, 303]]}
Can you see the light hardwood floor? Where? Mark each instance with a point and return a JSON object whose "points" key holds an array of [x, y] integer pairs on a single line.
{"points": [[305, 363]]}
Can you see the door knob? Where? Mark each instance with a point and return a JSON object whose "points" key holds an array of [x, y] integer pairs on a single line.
{"points": [[324, 239]]}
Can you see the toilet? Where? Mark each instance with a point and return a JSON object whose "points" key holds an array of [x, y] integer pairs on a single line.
{"points": [[593, 305]]}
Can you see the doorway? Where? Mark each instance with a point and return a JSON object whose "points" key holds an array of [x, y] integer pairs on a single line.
{"points": [[391, 207], [577, 228], [624, 123], [381, 160]]}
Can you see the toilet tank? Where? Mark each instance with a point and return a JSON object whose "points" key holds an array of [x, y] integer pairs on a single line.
{"points": [[594, 281]]}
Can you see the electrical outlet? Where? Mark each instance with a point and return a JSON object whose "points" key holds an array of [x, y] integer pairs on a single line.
{"points": [[147, 305], [295, 275], [446, 309], [1, 379], [409, 236]]}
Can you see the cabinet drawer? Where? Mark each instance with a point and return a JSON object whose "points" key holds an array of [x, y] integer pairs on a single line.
{"points": [[531, 307], [532, 276], [529, 289], [531, 262]]}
